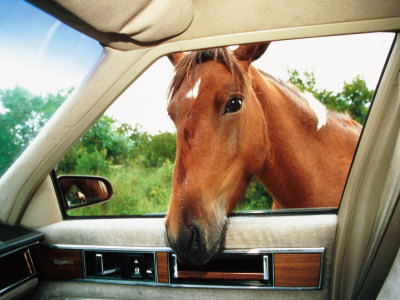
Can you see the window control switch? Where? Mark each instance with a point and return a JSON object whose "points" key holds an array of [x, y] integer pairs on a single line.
{"points": [[137, 264]]}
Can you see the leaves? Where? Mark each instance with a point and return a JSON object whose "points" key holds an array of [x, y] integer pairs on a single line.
{"points": [[110, 143], [24, 114], [160, 148]]}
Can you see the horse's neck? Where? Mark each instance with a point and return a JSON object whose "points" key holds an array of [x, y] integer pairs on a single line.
{"points": [[294, 148], [290, 123]]}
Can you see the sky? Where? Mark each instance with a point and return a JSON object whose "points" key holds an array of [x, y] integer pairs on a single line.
{"points": [[40, 53], [43, 55]]}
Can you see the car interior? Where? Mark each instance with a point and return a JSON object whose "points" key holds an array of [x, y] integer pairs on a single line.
{"points": [[345, 252]]}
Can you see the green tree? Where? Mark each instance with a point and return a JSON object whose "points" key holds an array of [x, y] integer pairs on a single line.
{"points": [[358, 97], [103, 145], [105, 136], [160, 148], [109, 144], [354, 98], [21, 119], [256, 197]]}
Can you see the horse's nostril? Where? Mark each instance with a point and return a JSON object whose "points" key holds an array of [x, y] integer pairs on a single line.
{"points": [[194, 243]]}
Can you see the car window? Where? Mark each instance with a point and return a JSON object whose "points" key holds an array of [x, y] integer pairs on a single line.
{"points": [[41, 61], [324, 87]]}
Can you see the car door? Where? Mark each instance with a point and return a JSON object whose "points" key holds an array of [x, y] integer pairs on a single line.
{"points": [[336, 250]]}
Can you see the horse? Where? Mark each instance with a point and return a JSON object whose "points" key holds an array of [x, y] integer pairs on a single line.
{"points": [[234, 122]]}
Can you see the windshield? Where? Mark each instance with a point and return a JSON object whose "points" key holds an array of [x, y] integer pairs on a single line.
{"points": [[41, 61]]}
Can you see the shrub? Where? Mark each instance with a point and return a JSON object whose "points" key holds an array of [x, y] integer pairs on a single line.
{"points": [[93, 163]]}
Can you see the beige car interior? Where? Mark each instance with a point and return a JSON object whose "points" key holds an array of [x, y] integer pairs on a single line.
{"points": [[361, 241]]}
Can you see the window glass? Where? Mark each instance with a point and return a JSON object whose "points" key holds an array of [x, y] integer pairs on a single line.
{"points": [[134, 143], [41, 61]]}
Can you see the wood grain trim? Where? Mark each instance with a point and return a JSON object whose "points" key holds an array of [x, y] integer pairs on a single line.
{"points": [[162, 267], [219, 275], [58, 263], [297, 269], [28, 261]]}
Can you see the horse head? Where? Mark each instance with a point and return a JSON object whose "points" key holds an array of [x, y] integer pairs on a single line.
{"points": [[221, 144]]}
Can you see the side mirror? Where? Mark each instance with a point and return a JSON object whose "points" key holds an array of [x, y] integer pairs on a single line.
{"points": [[81, 191]]}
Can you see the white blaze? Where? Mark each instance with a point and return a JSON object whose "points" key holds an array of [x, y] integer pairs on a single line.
{"points": [[194, 92], [318, 108]]}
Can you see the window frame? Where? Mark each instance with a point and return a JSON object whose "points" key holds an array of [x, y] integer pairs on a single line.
{"points": [[254, 213]]}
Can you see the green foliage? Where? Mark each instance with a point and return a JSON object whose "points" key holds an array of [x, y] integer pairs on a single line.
{"points": [[94, 162], [160, 148], [359, 97], [354, 98], [109, 143], [102, 146], [256, 197], [103, 138], [24, 114]]}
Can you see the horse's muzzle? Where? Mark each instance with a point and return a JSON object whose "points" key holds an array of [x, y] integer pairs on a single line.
{"points": [[190, 246]]}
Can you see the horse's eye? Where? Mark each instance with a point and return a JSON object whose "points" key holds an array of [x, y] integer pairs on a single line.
{"points": [[234, 104]]}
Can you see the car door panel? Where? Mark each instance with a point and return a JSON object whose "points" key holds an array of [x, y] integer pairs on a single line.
{"points": [[274, 233]]}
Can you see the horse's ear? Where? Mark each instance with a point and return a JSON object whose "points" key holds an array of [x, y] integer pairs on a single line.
{"points": [[175, 58], [250, 52]]}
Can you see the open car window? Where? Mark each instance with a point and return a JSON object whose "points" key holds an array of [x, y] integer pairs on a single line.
{"points": [[42, 60], [144, 135]]}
